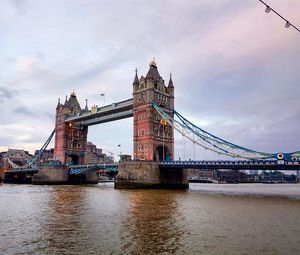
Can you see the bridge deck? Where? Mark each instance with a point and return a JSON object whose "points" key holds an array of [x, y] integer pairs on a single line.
{"points": [[115, 111], [234, 165], [203, 165]]}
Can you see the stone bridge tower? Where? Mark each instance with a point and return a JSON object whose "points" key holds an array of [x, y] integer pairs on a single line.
{"points": [[70, 139], [151, 139]]}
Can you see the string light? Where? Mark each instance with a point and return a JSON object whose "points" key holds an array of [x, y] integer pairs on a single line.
{"points": [[268, 9], [287, 23]]}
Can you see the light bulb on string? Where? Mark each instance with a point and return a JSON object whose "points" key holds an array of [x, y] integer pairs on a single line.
{"points": [[287, 23], [268, 9]]}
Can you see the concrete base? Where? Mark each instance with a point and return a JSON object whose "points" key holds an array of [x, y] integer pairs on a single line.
{"points": [[51, 175], [60, 175], [18, 178], [1, 175], [146, 174], [89, 178]]}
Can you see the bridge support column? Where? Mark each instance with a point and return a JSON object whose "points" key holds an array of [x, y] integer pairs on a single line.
{"points": [[51, 175], [1, 175], [88, 178], [147, 174], [5, 166], [60, 175]]}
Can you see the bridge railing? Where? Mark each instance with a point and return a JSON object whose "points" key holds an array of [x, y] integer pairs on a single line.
{"points": [[107, 118], [229, 162], [233, 165], [84, 169], [101, 110]]}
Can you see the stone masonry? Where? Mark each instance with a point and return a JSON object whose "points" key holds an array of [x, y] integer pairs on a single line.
{"points": [[152, 141]]}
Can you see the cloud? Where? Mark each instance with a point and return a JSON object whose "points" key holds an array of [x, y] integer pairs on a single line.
{"points": [[6, 94], [23, 110], [235, 69]]}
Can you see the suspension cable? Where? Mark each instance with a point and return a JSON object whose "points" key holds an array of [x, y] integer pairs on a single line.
{"points": [[212, 142]]}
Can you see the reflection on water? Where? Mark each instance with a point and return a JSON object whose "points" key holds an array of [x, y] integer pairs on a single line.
{"points": [[62, 227], [152, 226], [97, 219]]}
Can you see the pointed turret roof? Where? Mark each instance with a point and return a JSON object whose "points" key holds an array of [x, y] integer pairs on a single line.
{"points": [[153, 72], [170, 85], [136, 78], [58, 104], [72, 103]]}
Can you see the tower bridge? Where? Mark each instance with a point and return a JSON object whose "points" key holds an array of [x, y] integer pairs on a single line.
{"points": [[154, 123], [151, 139]]}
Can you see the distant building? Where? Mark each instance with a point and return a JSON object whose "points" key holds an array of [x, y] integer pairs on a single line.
{"points": [[278, 177], [47, 156], [94, 155], [18, 157], [125, 157], [231, 176], [201, 175]]}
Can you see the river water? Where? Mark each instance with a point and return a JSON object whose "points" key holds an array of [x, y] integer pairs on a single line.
{"points": [[206, 219]]}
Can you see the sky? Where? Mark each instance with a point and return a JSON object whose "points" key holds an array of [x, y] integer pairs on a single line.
{"points": [[235, 68]]}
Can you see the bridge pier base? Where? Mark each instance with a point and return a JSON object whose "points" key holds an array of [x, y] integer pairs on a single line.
{"points": [[51, 175], [147, 174], [1, 175], [17, 178], [60, 175]]}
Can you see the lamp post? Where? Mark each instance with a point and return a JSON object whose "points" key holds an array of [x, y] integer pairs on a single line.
{"points": [[119, 145]]}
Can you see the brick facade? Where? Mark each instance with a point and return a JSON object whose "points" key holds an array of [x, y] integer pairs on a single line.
{"points": [[152, 141], [70, 139]]}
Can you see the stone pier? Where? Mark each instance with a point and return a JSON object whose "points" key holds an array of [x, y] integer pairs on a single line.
{"points": [[60, 175], [1, 175], [147, 174]]}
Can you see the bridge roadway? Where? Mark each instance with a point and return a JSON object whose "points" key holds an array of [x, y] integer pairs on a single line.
{"points": [[112, 112], [203, 165], [233, 164], [189, 164], [83, 169]]}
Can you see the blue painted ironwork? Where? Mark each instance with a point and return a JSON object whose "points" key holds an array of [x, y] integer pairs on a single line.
{"points": [[213, 143], [199, 164], [232, 164], [84, 169]]}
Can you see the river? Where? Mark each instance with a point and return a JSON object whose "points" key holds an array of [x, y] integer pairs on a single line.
{"points": [[206, 219]]}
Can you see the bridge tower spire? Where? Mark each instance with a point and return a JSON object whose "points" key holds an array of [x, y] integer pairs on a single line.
{"points": [[153, 139]]}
